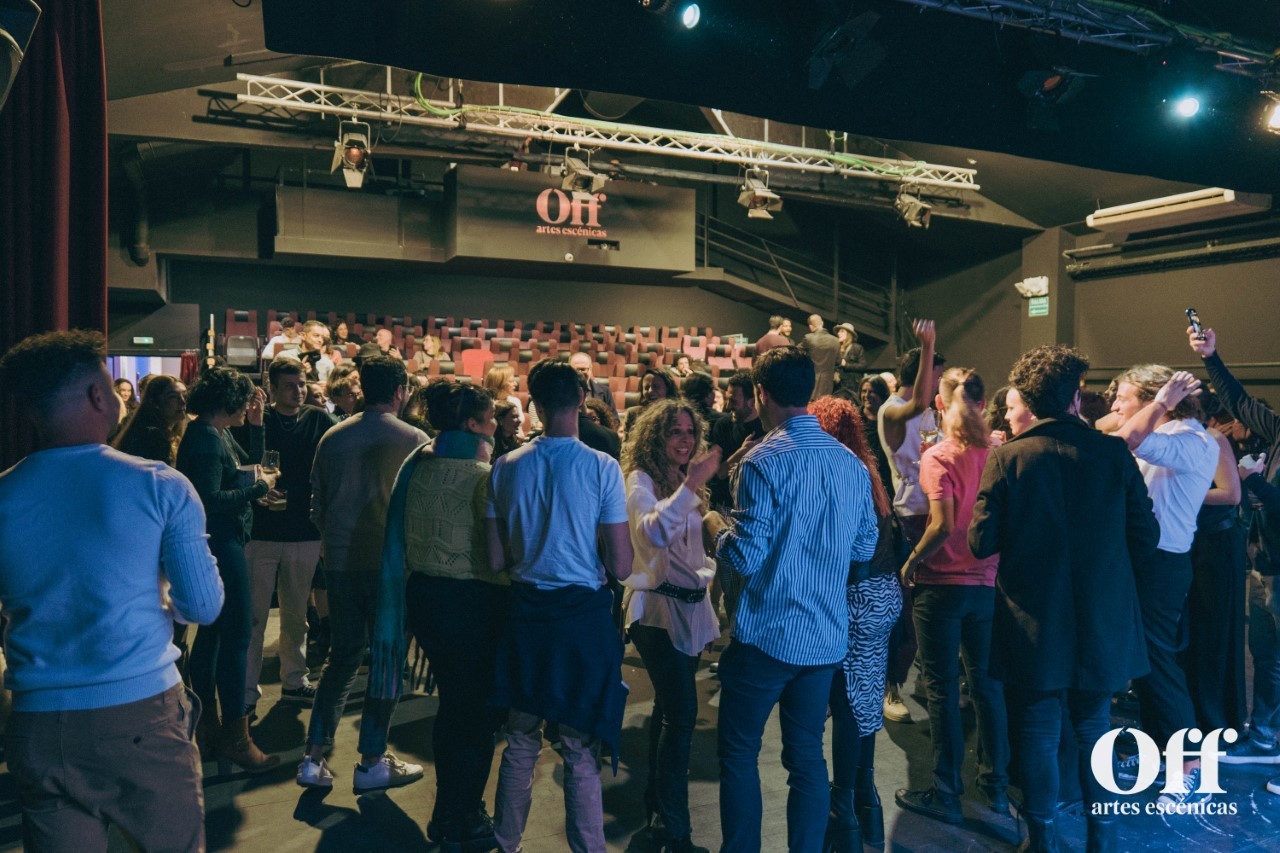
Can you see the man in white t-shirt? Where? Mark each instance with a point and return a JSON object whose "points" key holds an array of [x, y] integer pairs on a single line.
{"points": [[1177, 459], [560, 656]]}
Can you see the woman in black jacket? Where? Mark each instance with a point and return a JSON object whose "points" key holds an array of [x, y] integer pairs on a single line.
{"points": [[211, 459]]}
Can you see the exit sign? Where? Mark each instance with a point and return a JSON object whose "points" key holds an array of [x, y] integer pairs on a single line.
{"points": [[1038, 306], [144, 341]]}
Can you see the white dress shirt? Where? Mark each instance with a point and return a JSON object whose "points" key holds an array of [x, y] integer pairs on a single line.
{"points": [[1178, 461], [666, 536]]}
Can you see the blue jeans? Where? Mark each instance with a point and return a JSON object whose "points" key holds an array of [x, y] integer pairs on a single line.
{"points": [[353, 604], [752, 682], [1038, 718], [675, 713], [952, 621], [220, 654]]}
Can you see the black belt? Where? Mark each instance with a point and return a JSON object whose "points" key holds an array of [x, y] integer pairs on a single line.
{"points": [[860, 571], [688, 596], [1225, 524]]}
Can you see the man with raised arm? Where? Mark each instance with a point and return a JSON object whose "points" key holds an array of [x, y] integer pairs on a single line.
{"points": [[101, 730]]}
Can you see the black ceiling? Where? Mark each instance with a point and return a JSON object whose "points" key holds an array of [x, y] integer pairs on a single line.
{"points": [[944, 79]]}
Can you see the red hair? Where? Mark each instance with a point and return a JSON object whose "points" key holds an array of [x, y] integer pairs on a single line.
{"points": [[839, 419]]}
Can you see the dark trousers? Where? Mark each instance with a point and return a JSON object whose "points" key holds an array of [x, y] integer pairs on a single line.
{"points": [[951, 622], [133, 765], [903, 642], [1264, 645], [675, 713], [1215, 607], [220, 654], [1163, 582], [457, 622], [752, 683], [353, 605], [1037, 716], [850, 751]]}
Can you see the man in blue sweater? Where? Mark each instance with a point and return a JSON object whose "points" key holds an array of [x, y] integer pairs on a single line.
{"points": [[101, 725]]}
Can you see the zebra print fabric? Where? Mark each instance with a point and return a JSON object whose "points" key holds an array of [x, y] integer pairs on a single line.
{"points": [[874, 605]]}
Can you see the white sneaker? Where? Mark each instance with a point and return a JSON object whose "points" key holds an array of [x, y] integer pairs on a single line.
{"points": [[314, 774], [894, 708], [388, 772]]}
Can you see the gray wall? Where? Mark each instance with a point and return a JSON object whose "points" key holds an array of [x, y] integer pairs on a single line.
{"points": [[977, 311], [217, 286]]}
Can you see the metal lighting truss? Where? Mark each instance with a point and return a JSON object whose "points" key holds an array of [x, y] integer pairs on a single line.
{"points": [[293, 97], [1110, 24]]}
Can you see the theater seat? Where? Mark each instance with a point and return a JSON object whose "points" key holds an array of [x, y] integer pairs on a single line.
{"points": [[475, 362]]}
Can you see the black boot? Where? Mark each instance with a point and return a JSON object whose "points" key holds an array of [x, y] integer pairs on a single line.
{"points": [[843, 833], [866, 804], [1042, 836], [1102, 835]]}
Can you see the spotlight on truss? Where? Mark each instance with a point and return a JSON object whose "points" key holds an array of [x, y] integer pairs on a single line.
{"points": [[915, 211], [576, 175], [351, 152], [755, 195], [1271, 119]]}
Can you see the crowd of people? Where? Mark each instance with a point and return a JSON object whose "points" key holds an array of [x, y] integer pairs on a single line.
{"points": [[843, 527]]}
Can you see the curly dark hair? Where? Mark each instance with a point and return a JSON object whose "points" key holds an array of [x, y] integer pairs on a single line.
{"points": [[840, 420], [605, 414], [646, 447], [219, 390], [1048, 377], [697, 387], [36, 370]]}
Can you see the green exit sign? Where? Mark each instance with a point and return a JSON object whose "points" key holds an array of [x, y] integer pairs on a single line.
{"points": [[1038, 306], [144, 342]]}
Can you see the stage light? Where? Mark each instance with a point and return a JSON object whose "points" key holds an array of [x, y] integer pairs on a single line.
{"points": [[915, 211], [1272, 116], [351, 152], [691, 16], [756, 196], [576, 175], [1187, 107]]}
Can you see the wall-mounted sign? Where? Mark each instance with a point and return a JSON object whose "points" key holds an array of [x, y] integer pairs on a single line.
{"points": [[1038, 306], [499, 214]]}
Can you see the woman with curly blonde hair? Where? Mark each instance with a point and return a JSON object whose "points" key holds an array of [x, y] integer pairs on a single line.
{"points": [[669, 615]]}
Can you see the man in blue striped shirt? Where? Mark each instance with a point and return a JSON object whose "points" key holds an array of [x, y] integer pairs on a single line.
{"points": [[804, 513]]}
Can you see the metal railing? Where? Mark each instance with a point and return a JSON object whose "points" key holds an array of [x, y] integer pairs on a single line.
{"points": [[796, 278]]}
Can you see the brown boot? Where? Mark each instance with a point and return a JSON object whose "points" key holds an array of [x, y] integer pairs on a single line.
{"points": [[235, 746]]}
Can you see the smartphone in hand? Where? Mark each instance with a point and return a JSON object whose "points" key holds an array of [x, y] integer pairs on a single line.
{"points": [[1194, 319]]}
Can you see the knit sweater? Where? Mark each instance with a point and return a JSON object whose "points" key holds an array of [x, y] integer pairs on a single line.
{"points": [[87, 536]]}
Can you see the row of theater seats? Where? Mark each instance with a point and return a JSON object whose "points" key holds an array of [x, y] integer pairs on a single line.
{"points": [[621, 355]]}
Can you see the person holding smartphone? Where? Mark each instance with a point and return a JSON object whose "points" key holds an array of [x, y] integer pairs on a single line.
{"points": [[1259, 480]]}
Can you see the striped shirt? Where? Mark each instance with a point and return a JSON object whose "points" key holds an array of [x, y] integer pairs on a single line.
{"points": [[804, 513]]}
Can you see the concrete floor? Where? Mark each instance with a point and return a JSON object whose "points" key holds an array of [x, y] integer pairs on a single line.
{"points": [[270, 814]]}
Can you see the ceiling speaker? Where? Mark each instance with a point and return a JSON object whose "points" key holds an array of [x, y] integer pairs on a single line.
{"points": [[17, 23]]}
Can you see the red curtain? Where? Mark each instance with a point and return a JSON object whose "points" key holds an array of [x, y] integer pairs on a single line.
{"points": [[53, 191]]}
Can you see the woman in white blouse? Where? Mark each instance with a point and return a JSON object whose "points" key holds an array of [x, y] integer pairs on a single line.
{"points": [[670, 618]]}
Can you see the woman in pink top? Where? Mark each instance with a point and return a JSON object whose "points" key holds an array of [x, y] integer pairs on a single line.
{"points": [[954, 600]]}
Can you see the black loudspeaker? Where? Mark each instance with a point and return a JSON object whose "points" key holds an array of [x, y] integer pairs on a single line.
{"points": [[17, 23]]}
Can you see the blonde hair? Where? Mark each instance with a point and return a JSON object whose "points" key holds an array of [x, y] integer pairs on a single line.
{"points": [[963, 394], [495, 381]]}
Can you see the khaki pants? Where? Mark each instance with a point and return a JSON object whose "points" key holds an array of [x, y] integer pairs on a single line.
{"points": [[133, 765], [286, 568], [584, 810]]}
